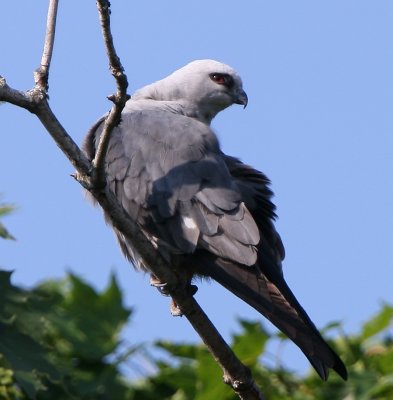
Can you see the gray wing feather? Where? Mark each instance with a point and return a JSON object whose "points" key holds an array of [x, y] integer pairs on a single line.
{"points": [[169, 174], [205, 220], [240, 227], [256, 194]]}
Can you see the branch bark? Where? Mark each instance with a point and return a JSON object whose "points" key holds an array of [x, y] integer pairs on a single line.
{"points": [[119, 99], [41, 74], [92, 177]]}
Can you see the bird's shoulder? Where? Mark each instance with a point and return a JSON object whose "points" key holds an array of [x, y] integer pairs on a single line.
{"points": [[153, 128]]}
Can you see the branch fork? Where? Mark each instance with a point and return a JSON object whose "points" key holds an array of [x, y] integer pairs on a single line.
{"points": [[91, 175]]}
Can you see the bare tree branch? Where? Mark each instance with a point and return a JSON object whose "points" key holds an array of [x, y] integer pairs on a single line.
{"points": [[35, 101], [15, 97], [119, 99], [236, 375], [41, 74], [63, 140], [92, 177]]}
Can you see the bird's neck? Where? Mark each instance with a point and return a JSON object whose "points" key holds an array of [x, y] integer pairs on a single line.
{"points": [[197, 111], [171, 100]]}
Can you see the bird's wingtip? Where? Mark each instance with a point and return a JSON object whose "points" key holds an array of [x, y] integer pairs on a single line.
{"points": [[323, 369]]}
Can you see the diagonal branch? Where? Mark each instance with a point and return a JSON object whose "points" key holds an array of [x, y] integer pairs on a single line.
{"points": [[35, 101], [236, 375], [119, 99]]}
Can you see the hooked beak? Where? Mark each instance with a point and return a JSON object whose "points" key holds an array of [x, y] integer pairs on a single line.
{"points": [[241, 98]]}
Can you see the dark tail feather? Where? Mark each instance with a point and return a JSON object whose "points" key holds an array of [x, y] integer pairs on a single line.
{"points": [[279, 305]]}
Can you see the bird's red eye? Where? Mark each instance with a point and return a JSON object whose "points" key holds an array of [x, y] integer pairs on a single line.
{"points": [[221, 79]]}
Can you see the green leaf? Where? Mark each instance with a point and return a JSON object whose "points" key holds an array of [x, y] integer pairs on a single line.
{"points": [[209, 379], [27, 359], [4, 210], [183, 350], [29, 309], [378, 323], [10, 296], [330, 326], [43, 330], [8, 390], [383, 388], [4, 233], [92, 332], [30, 382], [250, 343]]}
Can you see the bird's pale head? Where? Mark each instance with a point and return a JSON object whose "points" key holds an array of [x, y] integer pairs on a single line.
{"points": [[211, 83], [206, 86]]}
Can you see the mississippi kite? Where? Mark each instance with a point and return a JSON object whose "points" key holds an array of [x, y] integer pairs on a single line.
{"points": [[207, 213]]}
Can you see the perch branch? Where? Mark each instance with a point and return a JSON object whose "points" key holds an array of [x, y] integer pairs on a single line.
{"points": [[235, 373]]}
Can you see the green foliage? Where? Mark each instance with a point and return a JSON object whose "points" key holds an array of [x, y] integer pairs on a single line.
{"points": [[55, 340], [4, 210], [60, 340], [192, 374]]}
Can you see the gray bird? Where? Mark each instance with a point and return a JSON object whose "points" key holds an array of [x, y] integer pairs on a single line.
{"points": [[205, 212]]}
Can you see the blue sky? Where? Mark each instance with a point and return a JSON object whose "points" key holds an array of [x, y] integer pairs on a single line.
{"points": [[319, 123]]}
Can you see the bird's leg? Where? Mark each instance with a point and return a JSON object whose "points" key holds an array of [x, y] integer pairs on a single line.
{"points": [[162, 288]]}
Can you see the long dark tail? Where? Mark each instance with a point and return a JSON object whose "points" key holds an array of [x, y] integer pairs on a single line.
{"points": [[277, 303]]}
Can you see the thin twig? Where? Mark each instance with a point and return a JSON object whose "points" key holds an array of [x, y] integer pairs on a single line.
{"points": [[119, 99], [41, 74], [35, 101]]}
